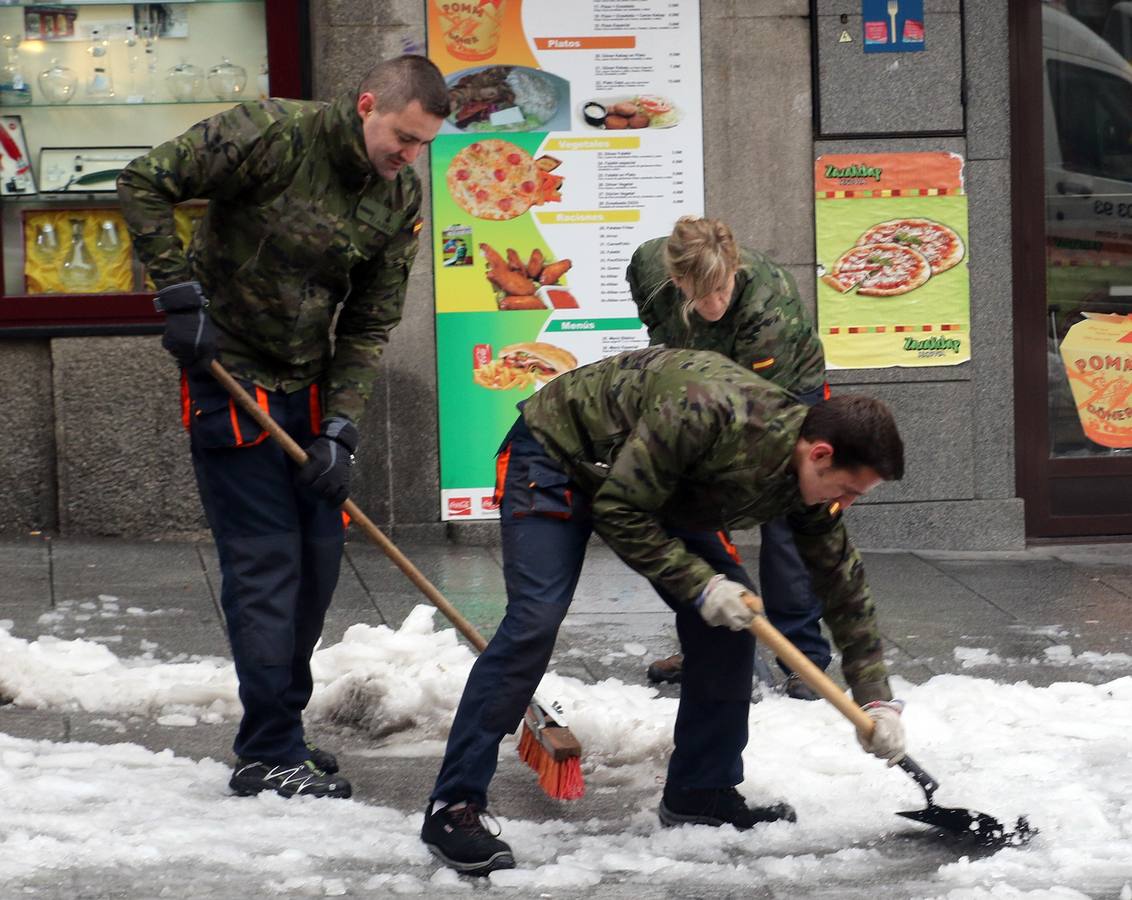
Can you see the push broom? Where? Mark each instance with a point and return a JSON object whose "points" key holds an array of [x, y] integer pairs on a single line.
{"points": [[547, 745]]}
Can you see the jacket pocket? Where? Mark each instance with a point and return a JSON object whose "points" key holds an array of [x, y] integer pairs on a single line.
{"points": [[216, 421]]}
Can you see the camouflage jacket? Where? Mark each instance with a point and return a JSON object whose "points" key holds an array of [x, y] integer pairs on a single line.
{"points": [[686, 438], [765, 328], [298, 221]]}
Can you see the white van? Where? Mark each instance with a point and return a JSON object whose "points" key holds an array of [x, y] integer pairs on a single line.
{"points": [[1088, 135]]}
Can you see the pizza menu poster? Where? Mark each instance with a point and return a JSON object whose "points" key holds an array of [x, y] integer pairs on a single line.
{"points": [[575, 135], [893, 286]]}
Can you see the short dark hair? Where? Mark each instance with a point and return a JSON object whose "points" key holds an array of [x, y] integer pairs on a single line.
{"points": [[861, 431], [395, 83]]}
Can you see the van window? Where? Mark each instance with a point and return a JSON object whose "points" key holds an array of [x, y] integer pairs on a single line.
{"points": [[1093, 110]]}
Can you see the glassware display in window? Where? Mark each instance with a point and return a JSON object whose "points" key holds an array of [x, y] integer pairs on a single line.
{"points": [[46, 243], [101, 83], [149, 54], [108, 241], [227, 80], [79, 271], [263, 83], [133, 66], [184, 80], [14, 90], [57, 84]]}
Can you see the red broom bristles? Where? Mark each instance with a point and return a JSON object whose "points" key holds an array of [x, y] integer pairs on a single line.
{"points": [[560, 779]]}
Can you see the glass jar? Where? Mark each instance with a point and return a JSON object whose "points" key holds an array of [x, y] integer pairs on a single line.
{"points": [[227, 80], [14, 90], [57, 84], [100, 86], [184, 81]]}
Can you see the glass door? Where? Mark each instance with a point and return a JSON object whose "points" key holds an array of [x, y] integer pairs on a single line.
{"points": [[1073, 265]]}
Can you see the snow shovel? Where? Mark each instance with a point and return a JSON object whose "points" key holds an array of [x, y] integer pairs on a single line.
{"points": [[548, 745], [969, 825]]}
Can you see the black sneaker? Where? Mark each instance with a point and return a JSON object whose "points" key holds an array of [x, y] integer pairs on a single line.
{"points": [[305, 778], [458, 838], [323, 759], [796, 689], [724, 806], [668, 670]]}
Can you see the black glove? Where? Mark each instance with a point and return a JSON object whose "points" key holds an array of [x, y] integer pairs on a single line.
{"points": [[327, 470], [189, 334]]}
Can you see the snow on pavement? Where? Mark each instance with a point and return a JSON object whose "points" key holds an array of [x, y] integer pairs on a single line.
{"points": [[1057, 754]]}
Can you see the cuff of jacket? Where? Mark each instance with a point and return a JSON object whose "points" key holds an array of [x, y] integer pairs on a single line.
{"points": [[868, 691]]}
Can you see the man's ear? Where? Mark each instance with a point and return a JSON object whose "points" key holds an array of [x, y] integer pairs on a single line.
{"points": [[821, 454], [367, 104]]}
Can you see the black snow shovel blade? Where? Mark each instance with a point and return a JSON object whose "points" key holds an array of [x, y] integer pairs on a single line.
{"points": [[976, 827], [965, 824]]}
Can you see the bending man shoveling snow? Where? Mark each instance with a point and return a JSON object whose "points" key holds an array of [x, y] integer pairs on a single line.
{"points": [[661, 452]]}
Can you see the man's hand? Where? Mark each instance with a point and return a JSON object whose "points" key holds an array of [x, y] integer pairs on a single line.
{"points": [[887, 739], [721, 603], [189, 334], [327, 470]]}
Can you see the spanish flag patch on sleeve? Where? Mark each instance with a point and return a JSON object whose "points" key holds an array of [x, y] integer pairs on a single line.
{"points": [[759, 364], [417, 226]]}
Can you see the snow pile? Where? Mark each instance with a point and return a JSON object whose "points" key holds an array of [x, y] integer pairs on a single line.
{"points": [[86, 675], [1060, 655], [1057, 754], [376, 678]]}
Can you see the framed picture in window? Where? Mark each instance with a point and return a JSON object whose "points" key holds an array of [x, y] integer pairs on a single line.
{"points": [[16, 178], [83, 170]]}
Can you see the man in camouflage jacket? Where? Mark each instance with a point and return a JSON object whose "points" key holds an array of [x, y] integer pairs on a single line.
{"points": [[658, 450], [312, 222], [766, 330]]}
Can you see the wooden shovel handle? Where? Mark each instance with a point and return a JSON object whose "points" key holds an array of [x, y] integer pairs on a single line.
{"points": [[293, 450], [806, 670]]}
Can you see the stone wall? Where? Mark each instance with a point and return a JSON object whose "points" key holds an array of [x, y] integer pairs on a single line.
{"points": [[92, 442]]}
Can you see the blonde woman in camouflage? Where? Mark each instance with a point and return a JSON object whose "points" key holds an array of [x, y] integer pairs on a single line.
{"points": [[698, 289]]}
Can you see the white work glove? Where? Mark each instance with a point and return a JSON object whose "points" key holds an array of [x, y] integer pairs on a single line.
{"points": [[887, 739], [721, 603]]}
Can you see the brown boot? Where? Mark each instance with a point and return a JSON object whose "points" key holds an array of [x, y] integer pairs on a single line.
{"points": [[668, 670], [795, 688]]}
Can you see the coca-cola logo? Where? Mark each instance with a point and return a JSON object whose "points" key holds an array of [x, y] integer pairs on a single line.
{"points": [[488, 504], [459, 506]]}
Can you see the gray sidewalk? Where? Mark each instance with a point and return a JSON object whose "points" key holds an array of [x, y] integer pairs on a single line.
{"points": [[1015, 606]]}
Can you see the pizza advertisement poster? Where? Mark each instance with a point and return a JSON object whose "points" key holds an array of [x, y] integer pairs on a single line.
{"points": [[893, 286], [575, 135]]}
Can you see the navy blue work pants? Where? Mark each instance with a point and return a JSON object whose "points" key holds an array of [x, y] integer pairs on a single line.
{"points": [[546, 524], [280, 547], [787, 590]]}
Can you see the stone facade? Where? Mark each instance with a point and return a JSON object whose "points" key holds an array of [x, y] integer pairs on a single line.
{"points": [[93, 443]]}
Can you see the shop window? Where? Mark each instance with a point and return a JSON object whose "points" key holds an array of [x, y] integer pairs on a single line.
{"points": [[86, 88]]}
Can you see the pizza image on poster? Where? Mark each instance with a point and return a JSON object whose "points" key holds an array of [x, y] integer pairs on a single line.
{"points": [[940, 244], [879, 270], [497, 180], [893, 285]]}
